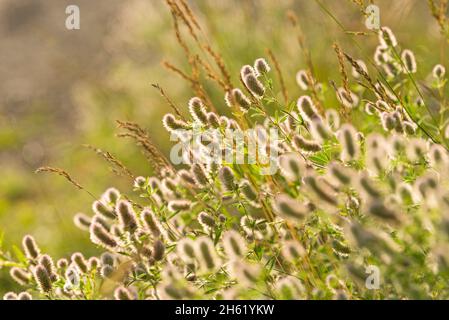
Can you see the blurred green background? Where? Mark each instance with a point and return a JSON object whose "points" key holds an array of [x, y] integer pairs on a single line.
{"points": [[60, 89]]}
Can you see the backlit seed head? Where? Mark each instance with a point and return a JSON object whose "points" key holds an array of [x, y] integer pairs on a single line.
{"points": [[349, 100], [246, 274], [103, 209], [254, 85], [261, 66], [82, 221], [321, 189], [367, 186], [24, 296], [107, 259], [370, 108], [42, 279], [289, 208], [106, 271], [122, 293], [111, 195], [248, 191], [438, 156], [362, 65], [199, 175], [30, 247], [388, 121], [102, 237], [62, 263], [292, 166], [93, 263], [10, 296], [179, 205], [79, 262], [227, 178], [380, 56], [198, 110], [302, 79], [213, 120], [303, 144], [339, 174], [409, 61], [409, 128], [172, 124], [140, 182], [151, 223], [246, 70], [234, 244], [306, 108], [158, 250], [319, 130], [206, 254], [126, 215], [19, 275], [438, 71], [387, 38], [186, 177], [347, 136], [240, 99], [292, 250], [186, 249], [378, 209], [206, 220], [47, 262]]}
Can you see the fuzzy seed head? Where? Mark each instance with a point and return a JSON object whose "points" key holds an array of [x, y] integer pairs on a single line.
{"points": [[206, 220], [179, 205], [47, 262], [248, 192], [348, 139], [239, 98], [438, 71], [303, 144], [19, 275], [198, 111], [306, 108], [409, 61], [102, 237], [199, 175], [290, 208], [111, 195], [140, 182], [158, 250], [42, 279], [234, 244], [206, 254], [302, 79], [387, 38], [254, 85], [151, 223], [82, 221], [292, 166], [227, 178], [172, 124], [104, 210], [122, 293], [79, 262], [261, 66], [126, 215], [30, 247], [24, 296]]}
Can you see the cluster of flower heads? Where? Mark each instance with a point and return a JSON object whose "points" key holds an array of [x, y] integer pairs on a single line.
{"points": [[345, 197]]}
